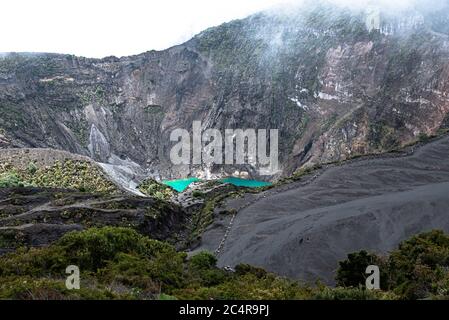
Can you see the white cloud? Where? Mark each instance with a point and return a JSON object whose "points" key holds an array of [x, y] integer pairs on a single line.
{"points": [[98, 28]]}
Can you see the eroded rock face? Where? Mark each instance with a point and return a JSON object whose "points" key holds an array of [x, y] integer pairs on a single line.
{"points": [[332, 88], [38, 216]]}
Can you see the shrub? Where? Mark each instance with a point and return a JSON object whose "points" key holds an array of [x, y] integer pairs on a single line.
{"points": [[152, 188], [122, 252], [26, 288], [31, 168], [248, 287], [243, 269], [423, 137], [327, 293], [166, 297], [108, 254], [420, 265], [351, 272], [419, 269], [197, 194], [77, 175], [203, 270], [203, 260], [92, 248], [120, 263], [10, 180]]}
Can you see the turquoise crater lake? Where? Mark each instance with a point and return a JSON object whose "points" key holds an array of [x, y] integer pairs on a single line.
{"points": [[246, 183], [181, 185]]}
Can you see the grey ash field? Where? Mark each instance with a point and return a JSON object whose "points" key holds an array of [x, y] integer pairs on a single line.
{"points": [[302, 230], [363, 116]]}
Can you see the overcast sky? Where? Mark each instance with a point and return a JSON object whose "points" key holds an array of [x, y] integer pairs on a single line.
{"points": [[99, 28]]}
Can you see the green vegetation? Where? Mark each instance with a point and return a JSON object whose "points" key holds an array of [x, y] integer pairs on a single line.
{"points": [[120, 263], [11, 238], [423, 137], [154, 110], [360, 293], [81, 129], [305, 171], [25, 288], [78, 175], [418, 269], [352, 271], [152, 188], [204, 216], [198, 194], [11, 116], [383, 137], [96, 94], [231, 46], [10, 180]]}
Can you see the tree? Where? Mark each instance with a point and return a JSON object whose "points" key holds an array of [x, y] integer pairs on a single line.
{"points": [[351, 272], [420, 266]]}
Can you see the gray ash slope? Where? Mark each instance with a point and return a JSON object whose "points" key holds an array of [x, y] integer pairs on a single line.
{"points": [[365, 205], [332, 88]]}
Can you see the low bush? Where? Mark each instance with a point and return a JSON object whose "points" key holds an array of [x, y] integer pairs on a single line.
{"points": [[418, 269], [152, 188], [10, 180], [78, 175], [119, 263]]}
